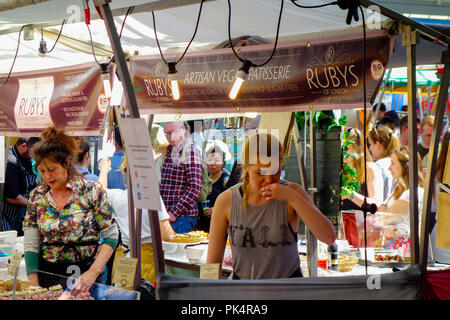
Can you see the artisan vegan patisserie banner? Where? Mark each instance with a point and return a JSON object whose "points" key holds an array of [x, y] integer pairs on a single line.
{"points": [[322, 74], [71, 98]]}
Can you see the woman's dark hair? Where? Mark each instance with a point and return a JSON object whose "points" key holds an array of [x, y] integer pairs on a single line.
{"points": [[57, 146], [216, 149], [84, 148]]}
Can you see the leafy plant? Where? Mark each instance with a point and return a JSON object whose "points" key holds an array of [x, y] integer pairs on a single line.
{"points": [[349, 176]]}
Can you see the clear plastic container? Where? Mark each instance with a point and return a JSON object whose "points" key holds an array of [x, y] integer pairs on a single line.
{"points": [[7, 241]]}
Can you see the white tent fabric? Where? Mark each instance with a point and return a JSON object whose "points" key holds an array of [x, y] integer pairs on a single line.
{"points": [[175, 28]]}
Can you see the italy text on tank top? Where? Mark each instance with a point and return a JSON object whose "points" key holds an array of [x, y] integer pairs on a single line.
{"points": [[262, 239]]}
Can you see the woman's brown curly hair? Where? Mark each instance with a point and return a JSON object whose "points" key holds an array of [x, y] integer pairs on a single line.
{"points": [[57, 146]]}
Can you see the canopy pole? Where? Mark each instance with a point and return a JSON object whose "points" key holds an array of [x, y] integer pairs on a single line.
{"points": [[432, 158], [380, 99], [409, 40], [300, 155], [158, 255], [311, 244], [131, 102]]}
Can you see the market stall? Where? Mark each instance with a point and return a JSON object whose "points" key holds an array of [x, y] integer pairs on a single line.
{"points": [[346, 94]]}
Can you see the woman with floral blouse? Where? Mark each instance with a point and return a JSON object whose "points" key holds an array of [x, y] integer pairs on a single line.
{"points": [[65, 218]]}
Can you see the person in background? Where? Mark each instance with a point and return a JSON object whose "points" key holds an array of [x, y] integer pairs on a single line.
{"points": [[398, 200], [382, 142], [251, 127], [19, 181], [159, 145], [65, 218], [381, 112], [119, 200], [404, 130], [216, 155], [397, 225], [181, 177], [261, 217], [391, 119], [197, 134], [426, 127], [439, 254], [116, 179], [375, 183], [83, 160]]}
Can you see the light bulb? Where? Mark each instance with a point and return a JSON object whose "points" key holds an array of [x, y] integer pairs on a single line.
{"points": [[235, 88], [173, 80], [105, 78], [175, 89], [240, 77], [107, 87]]}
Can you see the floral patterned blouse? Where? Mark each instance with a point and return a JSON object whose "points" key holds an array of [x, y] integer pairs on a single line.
{"points": [[88, 213]]}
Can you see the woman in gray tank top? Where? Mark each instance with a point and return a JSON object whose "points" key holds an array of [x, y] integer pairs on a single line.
{"points": [[261, 216]]}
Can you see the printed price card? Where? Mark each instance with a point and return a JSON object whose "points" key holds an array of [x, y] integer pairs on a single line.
{"points": [[210, 271], [123, 271], [14, 262]]}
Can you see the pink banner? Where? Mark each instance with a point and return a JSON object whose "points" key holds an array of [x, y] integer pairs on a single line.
{"points": [[71, 98], [322, 74]]}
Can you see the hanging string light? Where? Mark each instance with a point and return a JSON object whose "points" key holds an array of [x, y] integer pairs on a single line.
{"points": [[172, 71], [244, 70]]}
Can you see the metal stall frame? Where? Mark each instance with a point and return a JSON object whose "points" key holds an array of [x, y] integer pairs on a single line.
{"points": [[410, 30]]}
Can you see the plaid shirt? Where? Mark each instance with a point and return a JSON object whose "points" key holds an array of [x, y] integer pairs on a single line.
{"points": [[181, 179]]}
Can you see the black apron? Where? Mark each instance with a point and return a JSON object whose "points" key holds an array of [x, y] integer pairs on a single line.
{"points": [[54, 273]]}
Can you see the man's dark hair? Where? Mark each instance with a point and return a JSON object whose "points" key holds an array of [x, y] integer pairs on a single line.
{"points": [[30, 141], [404, 122], [392, 117], [382, 107], [216, 149]]}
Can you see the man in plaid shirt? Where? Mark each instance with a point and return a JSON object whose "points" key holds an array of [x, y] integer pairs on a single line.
{"points": [[181, 177]]}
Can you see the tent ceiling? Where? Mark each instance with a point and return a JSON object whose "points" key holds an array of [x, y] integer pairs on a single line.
{"points": [[175, 27], [428, 7]]}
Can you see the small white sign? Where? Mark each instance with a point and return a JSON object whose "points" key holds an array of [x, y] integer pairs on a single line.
{"points": [[32, 109], [141, 164]]}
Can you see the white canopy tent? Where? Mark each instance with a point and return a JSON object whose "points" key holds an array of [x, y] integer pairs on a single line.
{"points": [[210, 37], [175, 28]]}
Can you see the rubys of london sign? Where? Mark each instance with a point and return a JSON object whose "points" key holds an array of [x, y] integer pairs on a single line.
{"points": [[69, 98], [322, 74]]}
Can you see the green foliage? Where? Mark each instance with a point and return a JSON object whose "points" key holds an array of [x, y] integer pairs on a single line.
{"points": [[349, 178]]}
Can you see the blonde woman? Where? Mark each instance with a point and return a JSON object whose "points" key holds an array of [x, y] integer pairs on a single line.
{"points": [[382, 142], [375, 184], [261, 216], [398, 201]]}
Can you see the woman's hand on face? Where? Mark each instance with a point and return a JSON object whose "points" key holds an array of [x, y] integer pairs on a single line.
{"points": [[84, 283], [104, 165], [276, 191]]}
